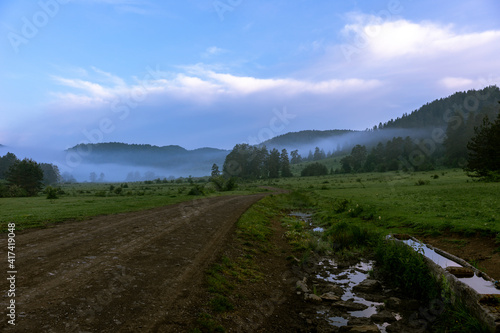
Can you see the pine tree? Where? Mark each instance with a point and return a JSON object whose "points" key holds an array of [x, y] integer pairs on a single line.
{"points": [[296, 158], [273, 164], [6, 162], [484, 151], [215, 170], [285, 164]]}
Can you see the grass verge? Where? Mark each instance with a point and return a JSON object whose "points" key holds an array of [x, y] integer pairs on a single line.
{"points": [[225, 278]]}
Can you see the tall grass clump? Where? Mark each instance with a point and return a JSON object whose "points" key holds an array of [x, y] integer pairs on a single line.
{"points": [[298, 200], [343, 235], [405, 268], [456, 318]]}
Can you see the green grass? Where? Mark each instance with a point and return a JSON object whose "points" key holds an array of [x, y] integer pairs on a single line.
{"points": [[392, 201], [225, 278], [457, 319], [81, 201]]}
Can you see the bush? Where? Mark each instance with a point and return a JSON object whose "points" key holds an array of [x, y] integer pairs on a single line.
{"points": [[421, 182], [344, 235], [340, 206], [314, 169], [4, 191], [15, 191], [51, 192], [230, 184], [197, 190], [12, 191]]}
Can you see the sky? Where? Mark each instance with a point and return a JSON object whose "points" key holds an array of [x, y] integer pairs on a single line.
{"points": [[214, 73]]}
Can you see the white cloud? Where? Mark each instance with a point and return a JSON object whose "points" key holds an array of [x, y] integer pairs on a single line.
{"points": [[201, 85], [462, 83], [108, 77], [396, 39], [213, 51], [92, 89]]}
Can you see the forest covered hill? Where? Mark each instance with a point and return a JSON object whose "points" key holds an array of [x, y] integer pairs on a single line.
{"points": [[173, 158], [434, 136], [417, 124]]}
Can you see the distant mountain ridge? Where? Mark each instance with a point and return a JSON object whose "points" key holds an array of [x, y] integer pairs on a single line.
{"points": [[197, 162]]}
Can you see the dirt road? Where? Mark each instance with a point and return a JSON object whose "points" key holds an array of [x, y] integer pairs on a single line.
{"points": [[117, 273]]}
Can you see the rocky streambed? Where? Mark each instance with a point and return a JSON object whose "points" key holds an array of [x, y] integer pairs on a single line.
{"points": [[345, 297]]}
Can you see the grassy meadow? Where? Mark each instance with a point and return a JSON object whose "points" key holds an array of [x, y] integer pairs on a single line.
{"points": [[84, 200], [419, 202], [428, 202]]}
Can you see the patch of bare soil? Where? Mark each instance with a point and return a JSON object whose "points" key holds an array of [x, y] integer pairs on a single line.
{"points": [[479, 250], [266, 304], [120, 273]]}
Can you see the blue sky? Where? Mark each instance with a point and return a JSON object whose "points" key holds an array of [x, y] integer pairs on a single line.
{"points": [[202, 73]]}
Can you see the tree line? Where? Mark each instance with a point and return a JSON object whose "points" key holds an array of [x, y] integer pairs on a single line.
{"points": [[25, 177], [251, 162], [474, 148]]}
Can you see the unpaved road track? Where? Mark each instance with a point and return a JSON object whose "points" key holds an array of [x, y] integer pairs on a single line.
{"points": [[117, 273]]}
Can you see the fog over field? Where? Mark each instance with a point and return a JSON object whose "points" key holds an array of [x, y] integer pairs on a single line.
{"points": [[109, 166]]}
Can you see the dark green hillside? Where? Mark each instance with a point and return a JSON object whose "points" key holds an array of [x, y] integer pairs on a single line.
{"points": [[295, 139], [441, 112]]}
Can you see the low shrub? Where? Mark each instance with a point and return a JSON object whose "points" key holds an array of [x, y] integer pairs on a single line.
{"points": [[197, 190], [340, 206], [51, 192], [421, 182]]}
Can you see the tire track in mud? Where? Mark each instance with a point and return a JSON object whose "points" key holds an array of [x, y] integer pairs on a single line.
{"points": [[118, 273]]}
